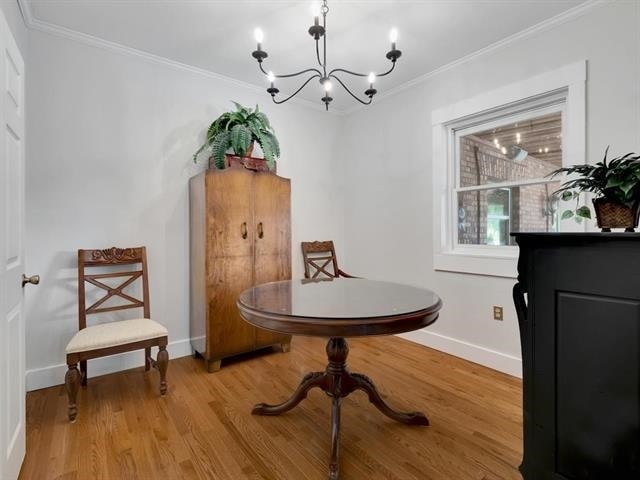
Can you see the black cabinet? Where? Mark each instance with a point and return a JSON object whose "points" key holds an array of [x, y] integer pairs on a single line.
{"points": [[578, 304]]}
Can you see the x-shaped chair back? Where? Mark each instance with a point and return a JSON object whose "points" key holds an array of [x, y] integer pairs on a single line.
{"points": [[109, 258], [320, 260]]}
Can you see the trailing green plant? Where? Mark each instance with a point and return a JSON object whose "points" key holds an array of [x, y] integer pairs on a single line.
{"points": [[616, 180], [236, 131]]}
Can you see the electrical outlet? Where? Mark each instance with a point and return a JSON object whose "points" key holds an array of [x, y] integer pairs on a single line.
{"points": [[497, 313]]}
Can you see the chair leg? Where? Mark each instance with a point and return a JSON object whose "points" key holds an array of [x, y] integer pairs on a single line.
{"points": [[147, 357], [83, 372], [163, 363], [72, 385]]}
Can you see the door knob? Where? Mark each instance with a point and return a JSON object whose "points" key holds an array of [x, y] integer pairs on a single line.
{"points": [[33, 279]]}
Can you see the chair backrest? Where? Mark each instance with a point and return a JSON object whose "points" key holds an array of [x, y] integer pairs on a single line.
{"points": [[111, 257], [320, 259]]}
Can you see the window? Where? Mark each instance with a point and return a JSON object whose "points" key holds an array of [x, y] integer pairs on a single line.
{"points": [[515, 154], [492, 157]]}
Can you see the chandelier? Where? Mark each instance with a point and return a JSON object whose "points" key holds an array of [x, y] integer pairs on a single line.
{"points": [[325, 77]]}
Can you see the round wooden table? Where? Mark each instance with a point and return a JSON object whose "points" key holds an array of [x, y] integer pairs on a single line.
{"points": [[339, 308]]}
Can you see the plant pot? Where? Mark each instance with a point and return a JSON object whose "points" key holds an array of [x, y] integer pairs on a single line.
{"points": [[250, 163], [611, 214]]}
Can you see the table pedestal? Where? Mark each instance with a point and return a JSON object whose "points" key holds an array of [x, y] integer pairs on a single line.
{"points": [[337, 382]]}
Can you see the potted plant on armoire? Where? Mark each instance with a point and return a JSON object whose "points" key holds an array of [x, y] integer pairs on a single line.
{"points": [[232, 136], [240, 226], [615, 184]]}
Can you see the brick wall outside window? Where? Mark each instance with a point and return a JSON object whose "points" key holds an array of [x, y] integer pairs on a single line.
{"points": [[530, 205]]}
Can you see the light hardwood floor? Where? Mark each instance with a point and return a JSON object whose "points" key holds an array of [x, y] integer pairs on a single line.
{"points": [[203, 428]]}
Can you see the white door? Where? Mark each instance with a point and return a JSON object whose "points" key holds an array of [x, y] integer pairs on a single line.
{"points": [[12, 354]]}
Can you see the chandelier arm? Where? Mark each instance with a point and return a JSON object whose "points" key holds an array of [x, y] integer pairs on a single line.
{"points": [[288, 75], [393, 66], [297, 91], [262, 68], [356, 74], [350, 92]]}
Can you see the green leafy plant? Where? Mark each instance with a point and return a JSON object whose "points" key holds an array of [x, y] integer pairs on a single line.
{"points": [[236, 131], [616, 180]]}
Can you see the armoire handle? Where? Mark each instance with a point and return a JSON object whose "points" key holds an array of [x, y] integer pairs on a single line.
{"points": [[260, 230], [243, 229]]}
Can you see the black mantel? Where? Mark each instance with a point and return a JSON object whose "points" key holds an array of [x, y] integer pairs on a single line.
{"points": [[580, 335]]}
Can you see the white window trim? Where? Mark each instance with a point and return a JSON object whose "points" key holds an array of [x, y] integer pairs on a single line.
{"points": [[491, 260]]}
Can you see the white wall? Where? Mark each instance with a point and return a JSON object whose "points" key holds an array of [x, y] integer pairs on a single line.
{"points": [[108, 162], [387, 150]]}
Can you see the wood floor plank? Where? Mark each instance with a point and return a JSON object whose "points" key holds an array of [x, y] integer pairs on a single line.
{"points": [[203, 428]]}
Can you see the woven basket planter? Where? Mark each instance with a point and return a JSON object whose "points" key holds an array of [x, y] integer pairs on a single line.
{"points": [[616, 215]]}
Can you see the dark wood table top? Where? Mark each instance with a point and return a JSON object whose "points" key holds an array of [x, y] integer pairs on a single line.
{"points": [[339, 307]]}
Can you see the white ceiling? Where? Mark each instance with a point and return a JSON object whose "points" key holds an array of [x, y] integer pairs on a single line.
{"points": [[218, 35]]}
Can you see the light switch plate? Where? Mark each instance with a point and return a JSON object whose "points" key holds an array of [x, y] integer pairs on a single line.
{"points": [[497, 313]]}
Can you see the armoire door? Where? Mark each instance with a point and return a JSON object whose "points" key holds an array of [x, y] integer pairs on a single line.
{"points": [[230, 233], [272, 217]]}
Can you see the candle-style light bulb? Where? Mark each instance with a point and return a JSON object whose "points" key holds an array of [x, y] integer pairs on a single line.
{"points": [[327, 86], [315, 11], [393, 37], [272, 90], [258, 34], [370, 92]]}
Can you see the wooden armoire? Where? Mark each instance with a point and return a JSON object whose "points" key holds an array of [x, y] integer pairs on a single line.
{"points": [[240, 237]]}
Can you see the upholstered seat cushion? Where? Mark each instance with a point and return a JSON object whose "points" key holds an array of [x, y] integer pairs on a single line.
{"points": [[115, 333]]}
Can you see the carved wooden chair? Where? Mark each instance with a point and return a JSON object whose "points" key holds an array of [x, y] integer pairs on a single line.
{"points": [[320, 260], [117, 336]]}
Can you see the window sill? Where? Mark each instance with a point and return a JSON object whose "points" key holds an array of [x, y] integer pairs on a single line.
{"points": [[493, 264]]}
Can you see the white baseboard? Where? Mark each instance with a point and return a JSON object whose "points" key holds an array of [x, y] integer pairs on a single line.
{"points": [[54, 374], [484, 356]]}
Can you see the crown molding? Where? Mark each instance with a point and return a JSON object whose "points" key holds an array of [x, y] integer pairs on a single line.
{"points": [[52, 29], [559, 19]]}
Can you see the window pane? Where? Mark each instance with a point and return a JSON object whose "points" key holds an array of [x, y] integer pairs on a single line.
{"points": [[487, 217], [517, 151]]}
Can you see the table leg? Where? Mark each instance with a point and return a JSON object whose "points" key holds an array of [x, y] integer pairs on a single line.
{"points": [[334, 465], [362, 382], [310, 380]]}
